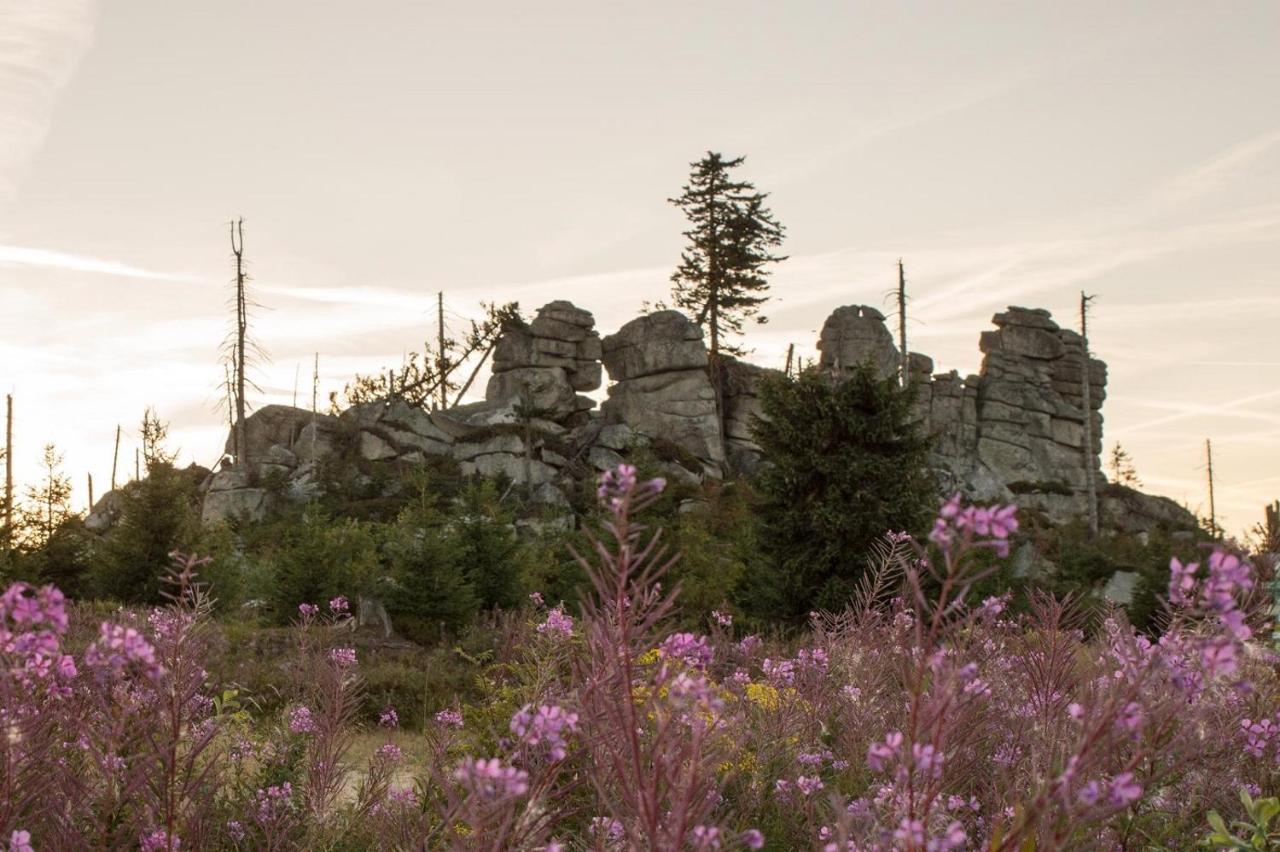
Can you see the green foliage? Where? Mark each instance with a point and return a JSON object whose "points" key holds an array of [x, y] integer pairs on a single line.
{"points": [[1254, 834], [428, 591], [846, 465], [720, 544], [723, 272], [159, 514], [489, 552], [1084, 565], [319, 557]]}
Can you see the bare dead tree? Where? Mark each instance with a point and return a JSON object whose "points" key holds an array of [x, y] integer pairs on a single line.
{"points": [[905, 365], [239, 350], [8, 468], [242, 328], [1213, 513], [428, 377], [115, 458], [1091, 485]]}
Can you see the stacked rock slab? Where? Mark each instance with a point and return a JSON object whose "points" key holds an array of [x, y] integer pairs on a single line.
{"points": [[1030, 409], [1016, 428], [857, 334], [548, 362], [742, 407], [659, 365]]}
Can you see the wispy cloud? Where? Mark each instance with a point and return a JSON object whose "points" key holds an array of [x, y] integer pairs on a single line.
{"points": [[48, 259], [1216, 173], [41, 42], [1182, 411]]}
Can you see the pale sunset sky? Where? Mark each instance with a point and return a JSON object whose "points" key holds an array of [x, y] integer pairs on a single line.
{"points": [[380, 152]]}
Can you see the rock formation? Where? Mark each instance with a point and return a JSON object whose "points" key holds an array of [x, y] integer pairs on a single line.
{"points": [[1014, 431], [659, 365], [548, 362], [856, 334]]}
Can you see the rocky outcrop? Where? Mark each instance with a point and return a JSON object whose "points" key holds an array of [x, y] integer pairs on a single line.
{"points": [[742, 407], [661, 388], [545, 364], [1014, 431], [857, 334]]}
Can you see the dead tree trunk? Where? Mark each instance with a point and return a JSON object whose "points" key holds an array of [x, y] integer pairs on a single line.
{"points": [[242, 327], [905, 365], [8, 469], [1091, 484], [115, 458], [1213, 513]]}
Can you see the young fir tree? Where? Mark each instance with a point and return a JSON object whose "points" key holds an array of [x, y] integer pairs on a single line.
{"points": [[1121, 464], [723, 274], [49, 502], [846, 466]]}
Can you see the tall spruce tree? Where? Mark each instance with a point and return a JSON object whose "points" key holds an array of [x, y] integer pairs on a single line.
{"points": [[847, 465], [723, 273]]}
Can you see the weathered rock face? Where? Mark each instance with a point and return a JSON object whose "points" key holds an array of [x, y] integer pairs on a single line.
{"points": [[741, 409], [1016, 430], [857, 334], [659, 365], [548, 361]]}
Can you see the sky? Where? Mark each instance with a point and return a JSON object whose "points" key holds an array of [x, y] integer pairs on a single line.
{"points": [[1011, 154]]}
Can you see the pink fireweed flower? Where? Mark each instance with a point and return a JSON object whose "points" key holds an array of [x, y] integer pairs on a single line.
{"points": [[549, 725], [389, 718], [557, 625], [1130, 717], [389, 752], [693, 690], [300, 721], [308, 611], [271, 804], [1181, 580], [535, 598], [1257, 735], [609, 829], [490, 779], [449, 719], [159, 841], [809, 784], [724, 619], [693, 651], [343, 657], [752, 838], [955, 838], [880, 755], [1124, 790], [120, 648], [339, 604], [706, 837], [20, 841], [910, 832], [927, 759]]}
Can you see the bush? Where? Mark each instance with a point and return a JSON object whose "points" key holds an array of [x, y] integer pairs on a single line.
{"points": [[846, 463], [159, 514]]}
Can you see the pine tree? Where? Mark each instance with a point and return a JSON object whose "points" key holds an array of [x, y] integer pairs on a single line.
{"points": [[723, 274], [1121, 465], [847, 465], [49, 503]]}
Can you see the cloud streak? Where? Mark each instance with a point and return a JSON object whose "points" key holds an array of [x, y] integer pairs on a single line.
{"points": [[41, 43], [21, 256]]}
